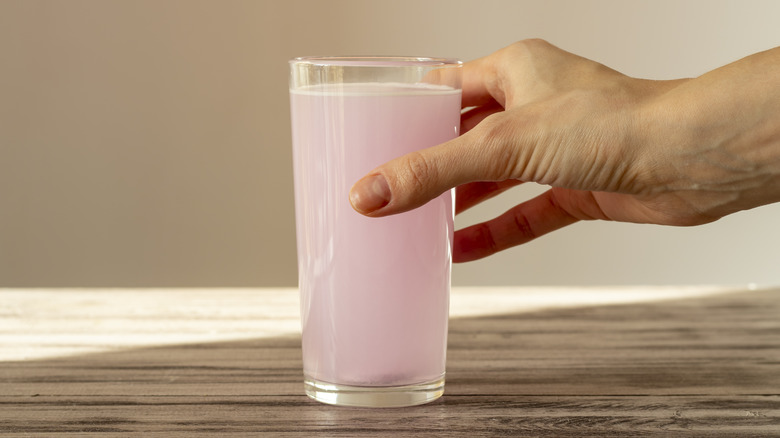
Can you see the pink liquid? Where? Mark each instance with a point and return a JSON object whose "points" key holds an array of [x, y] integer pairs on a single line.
{"points": [[374, 291]]}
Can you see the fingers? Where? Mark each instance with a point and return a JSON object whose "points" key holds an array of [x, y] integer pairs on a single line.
{"points": [[471, 194], [517, 226], [412, 180], [504, 73], [480, 82], [447, 75]]}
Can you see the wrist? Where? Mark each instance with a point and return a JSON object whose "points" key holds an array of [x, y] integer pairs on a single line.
{"points": [[714, 141]]}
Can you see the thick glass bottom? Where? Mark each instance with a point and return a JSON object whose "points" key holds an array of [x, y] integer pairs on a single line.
{"points": [[374, 396]]}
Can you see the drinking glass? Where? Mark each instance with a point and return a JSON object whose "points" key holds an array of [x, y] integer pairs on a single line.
{"points": [[374, 291]]}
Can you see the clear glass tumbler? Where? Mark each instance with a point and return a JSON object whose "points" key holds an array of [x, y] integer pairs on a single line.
{"points": [[374, 291]]}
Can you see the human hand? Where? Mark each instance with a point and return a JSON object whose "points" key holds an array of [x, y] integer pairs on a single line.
{"points": [[610, 146]]}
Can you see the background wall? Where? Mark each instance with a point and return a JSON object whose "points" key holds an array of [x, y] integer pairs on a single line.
{"points": [[146, 143]]}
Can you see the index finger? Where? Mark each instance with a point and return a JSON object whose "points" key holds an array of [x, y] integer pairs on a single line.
{"points": [[480, 84]]}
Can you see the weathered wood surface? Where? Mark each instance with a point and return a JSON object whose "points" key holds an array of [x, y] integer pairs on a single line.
{"points": [[704, 366]]}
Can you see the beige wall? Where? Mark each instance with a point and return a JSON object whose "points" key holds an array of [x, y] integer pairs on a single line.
{"points": [[146, 143]]}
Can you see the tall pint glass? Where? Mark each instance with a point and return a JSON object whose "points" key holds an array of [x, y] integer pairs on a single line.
{"points": [[374, 291]]}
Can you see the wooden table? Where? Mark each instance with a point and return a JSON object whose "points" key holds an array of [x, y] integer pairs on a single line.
{"points": [[536, 362]]}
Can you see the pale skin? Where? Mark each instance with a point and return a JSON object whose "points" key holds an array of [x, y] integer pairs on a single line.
{"points": [[611, 147]]}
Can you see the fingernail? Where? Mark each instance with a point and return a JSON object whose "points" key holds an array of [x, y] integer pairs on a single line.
{"points": [[370, 194]]}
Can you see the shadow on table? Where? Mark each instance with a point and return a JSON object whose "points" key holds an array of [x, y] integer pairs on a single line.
{"points": [[707, 366]]}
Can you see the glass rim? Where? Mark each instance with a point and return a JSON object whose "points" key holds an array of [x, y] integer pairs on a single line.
{"points": [[376, 61]]}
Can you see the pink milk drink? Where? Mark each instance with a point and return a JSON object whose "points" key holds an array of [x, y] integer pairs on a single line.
{"points": [[374, 291]]}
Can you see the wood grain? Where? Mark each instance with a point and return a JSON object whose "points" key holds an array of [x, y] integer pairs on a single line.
{"points": [[707, 366]]}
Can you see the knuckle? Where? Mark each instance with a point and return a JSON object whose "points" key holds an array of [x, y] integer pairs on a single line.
{"points": [[419, 171], [485, 238], [535, 43], [528, 47], [523, 226]]}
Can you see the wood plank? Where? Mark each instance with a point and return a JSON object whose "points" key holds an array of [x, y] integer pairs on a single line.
{"points": [[706, 366]]}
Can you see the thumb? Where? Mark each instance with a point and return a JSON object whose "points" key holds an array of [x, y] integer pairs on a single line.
{"points": [[411, 180]]}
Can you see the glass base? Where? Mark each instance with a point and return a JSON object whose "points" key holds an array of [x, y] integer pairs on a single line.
{"points": [[374, 396]]}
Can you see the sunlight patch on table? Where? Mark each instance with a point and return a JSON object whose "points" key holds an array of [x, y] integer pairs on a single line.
{"points": [[44, 323]]}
